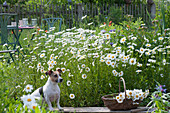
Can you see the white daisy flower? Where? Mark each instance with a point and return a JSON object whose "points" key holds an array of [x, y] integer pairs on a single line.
{"points": [[101, 60], [108, 62], [123, 40], [28, 88], [122, 95], [84, 76], [132, 61], [120, 73], [87, 69], [83, 65], [160, 38], [142, 50], [138, 71], [113, 56], [42, 55], [118, 48], [28, 99], [63, 70], [136, 97], [107, 35], [147, 53], [56, 57], [113, 64], [115, 73], [108, 56], [120, 100], [118, 51], [39, 65], [51, 56], [131, 47], [68, 83], [42, 77], [33, 106], [148, 45], [72, 96], [133, 38]]}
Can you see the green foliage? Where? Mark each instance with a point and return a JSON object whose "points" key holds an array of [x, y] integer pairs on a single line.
{"points": [[115, 15], [163, 14], [72, 48], [160, 101]]}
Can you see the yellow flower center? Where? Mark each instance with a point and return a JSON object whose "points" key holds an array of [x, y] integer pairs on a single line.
{"points": [[108, 62], [29, 100], [33, 107], [28, 87], [132, 61]]}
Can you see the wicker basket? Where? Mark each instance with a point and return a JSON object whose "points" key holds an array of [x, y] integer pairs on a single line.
{"points": [[112, 103]]}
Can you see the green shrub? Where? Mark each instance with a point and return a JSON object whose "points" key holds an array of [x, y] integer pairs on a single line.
{"points": [[115, 15]]}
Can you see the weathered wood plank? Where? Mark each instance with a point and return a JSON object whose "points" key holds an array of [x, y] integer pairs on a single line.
{"points": [[102, 110]]}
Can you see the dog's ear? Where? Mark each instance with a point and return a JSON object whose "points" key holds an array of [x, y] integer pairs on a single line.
{"points": [[49, 72], [59, 70]]}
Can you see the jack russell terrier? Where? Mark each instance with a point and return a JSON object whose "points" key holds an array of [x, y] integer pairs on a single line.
{"points": [[50, 91]]}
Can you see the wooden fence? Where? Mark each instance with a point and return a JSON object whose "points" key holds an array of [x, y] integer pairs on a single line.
{"points": [[72, 13]]}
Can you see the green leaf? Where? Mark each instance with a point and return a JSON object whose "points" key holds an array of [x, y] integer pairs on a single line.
{"points": [[159, 105]]}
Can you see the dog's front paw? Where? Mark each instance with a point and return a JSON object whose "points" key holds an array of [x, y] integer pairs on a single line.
{"points": [[51, 109]]}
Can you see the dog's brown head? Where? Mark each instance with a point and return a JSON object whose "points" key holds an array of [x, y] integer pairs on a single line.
{"points": [[55, 76]]}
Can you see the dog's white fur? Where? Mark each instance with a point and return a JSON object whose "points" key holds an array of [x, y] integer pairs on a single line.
{"points": [[51, 92]]}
